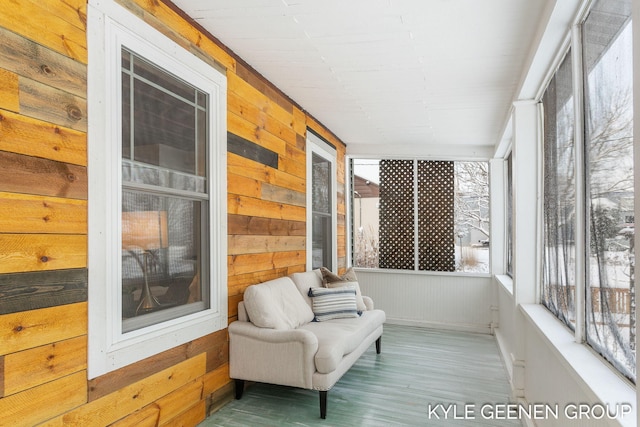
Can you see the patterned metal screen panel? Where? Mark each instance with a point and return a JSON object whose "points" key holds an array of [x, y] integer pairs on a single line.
{"points": [[397, 215], [436, 216]]}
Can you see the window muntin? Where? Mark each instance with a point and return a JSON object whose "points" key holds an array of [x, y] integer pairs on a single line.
{"points": [[424, 215], [608, 77], [559, 251]]}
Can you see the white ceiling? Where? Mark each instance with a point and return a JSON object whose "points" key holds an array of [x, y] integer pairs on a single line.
{"points": [[405, 75]]}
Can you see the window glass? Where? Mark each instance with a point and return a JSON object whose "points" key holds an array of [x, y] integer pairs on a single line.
{"points": [[608, 75], [164, 197], [509, 199], [420, 215], [322, 212], [559, 267]]}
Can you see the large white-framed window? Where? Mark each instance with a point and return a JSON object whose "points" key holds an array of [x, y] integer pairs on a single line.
{"points": [[589, 224], [157, 192], [322, 218]]}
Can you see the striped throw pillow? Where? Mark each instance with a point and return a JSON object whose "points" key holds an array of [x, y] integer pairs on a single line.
{"points": [[333, 303]]}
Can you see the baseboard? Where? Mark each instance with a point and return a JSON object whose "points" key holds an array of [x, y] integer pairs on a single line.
{"points": [[505, 354], [459, 327]]}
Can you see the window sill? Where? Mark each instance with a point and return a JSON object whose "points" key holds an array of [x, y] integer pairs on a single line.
{"points": [[420, 272], [506, 282], [595, 376]]}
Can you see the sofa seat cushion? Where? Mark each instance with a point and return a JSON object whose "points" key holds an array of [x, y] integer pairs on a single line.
{"points": [[339, 337], [276, 304]]}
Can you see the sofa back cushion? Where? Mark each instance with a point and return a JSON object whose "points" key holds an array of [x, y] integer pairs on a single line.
{"points": [[276, 304], [306, 280]]}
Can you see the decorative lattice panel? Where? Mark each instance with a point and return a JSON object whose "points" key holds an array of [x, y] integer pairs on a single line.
{"points": [[436, 216], [396, 215]]}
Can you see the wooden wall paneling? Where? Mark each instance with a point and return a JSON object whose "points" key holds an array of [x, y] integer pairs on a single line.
{"points": [[35, 290], [238, 245], [30, 368], [244, 186], [29, 329], [32, 137], [31, 175], [255, 133], [216, 379], [190, 418], [53, 105], [179, 401], [9, 92], [241, 264], [172, 23], [36, 62], [253, 225], [274, 193], [239, 282], [299, 124], [37, 252], [145, 417], [244, 90], [294, 162], [245, 167], [23, 213], [46, 20], [112, 407], [35, 405], [135, 372], [280, 126], [258, 82], [240, 205]]}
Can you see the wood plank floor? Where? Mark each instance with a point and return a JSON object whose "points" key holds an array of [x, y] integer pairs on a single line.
{"points": [[417, 370]]}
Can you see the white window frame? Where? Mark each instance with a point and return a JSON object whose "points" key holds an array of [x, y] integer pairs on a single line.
{"points": [[109, 28], [316, 145]]}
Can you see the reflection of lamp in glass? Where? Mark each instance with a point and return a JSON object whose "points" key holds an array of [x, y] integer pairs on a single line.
{"points": [[145, 230]]}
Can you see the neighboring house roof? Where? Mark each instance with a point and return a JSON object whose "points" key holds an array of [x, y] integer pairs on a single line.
{"points": [[365, 188]]}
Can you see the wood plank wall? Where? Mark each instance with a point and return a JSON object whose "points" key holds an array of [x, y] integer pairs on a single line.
{"points": [[43, 223]]}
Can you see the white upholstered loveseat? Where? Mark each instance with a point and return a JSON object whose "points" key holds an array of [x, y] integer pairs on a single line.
{"points": [[279, 340]]}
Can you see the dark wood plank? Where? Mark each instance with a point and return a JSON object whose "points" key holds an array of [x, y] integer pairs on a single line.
{"points": [[42, 289], [247, 149], [30, 175], [253, 225]]}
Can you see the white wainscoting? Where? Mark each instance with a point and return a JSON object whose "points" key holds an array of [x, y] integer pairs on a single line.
{"points": [[444, 301]]}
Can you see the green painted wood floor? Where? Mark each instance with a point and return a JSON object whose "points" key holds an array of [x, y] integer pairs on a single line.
{"points": [[417, 370]]}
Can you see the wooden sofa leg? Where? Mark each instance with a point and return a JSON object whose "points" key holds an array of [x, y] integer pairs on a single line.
{"points": [[323, 404], [239, 389], [379, 344]]}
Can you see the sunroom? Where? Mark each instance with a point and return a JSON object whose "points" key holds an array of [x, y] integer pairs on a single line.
{"points": [[471, 162]]}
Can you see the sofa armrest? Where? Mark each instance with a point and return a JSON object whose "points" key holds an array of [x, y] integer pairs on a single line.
{"points": [[368, 302], [273, 356]]}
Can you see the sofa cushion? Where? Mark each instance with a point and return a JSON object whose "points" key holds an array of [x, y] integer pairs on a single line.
{"points": [[276, 304], [339, 337], [330, 304], [306, 280], [349, 278]]}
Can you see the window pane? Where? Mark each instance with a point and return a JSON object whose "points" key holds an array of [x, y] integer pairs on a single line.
{"points": [[322, 233], [450, 204], [558, 289], [162, 253], [609, 161], [509, 197], [161, 120], [471, 208], [366, 204]]}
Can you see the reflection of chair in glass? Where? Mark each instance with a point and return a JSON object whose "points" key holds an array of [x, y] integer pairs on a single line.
{"points": [[147, 231]]}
